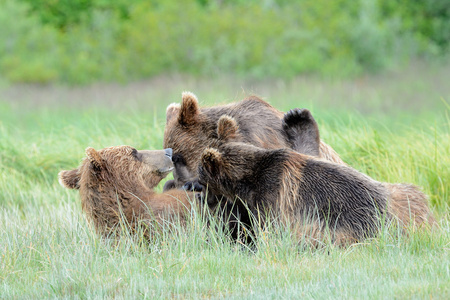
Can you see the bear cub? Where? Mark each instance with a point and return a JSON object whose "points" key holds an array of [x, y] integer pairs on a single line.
{"points": [[306, 192], [118, 182]]}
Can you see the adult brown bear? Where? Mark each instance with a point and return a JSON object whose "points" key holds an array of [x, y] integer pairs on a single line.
{"points": [[116, 184], [305, 191], [190, 129]]}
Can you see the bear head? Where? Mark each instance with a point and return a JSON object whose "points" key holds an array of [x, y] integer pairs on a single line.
{"points": [[188, 132], [233, 168], [121, 167]]}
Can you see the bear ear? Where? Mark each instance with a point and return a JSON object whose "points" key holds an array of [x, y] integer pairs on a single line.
{"points": [[227, 128], [94, 158], [69, 179], [172, 111], [212, 161], [189, 109]]}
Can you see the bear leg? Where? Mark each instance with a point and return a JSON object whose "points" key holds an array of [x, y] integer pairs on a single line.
{"points": [[302, 131]]}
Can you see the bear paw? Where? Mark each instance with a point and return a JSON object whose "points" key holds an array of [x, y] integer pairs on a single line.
{"points": [[302, 131], [193, 186], [297, 117], [169, 185]]}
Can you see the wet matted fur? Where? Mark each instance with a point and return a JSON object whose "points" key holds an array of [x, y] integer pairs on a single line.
{"points": [[296, 187]]}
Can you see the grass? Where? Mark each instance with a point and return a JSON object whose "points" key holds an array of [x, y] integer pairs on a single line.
{"points": [[47, 249]]}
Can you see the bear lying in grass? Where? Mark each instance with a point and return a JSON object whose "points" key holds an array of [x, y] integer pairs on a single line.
{"points": [[308, 193], [190, 130], [116, 184]]}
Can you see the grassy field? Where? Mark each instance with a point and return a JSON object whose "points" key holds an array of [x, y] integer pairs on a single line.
{"points": [[395, 128]]}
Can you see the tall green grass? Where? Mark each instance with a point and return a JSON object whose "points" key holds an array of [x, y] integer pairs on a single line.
{"points": [[48, 250]]}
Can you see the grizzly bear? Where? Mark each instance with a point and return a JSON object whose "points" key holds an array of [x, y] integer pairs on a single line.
{"points": [[116, 184], [306, 191], [190, 130]]}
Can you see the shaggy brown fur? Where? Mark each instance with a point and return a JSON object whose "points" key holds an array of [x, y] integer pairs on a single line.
{"points": [[190, 130], [308, 192], [118, 182], [407, 203]]}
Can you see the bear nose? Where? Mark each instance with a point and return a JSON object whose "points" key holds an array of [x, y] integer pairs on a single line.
{"points": [[168, 152]]}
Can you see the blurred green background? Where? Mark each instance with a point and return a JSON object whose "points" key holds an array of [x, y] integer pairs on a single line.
{"points": [[81, 42]]}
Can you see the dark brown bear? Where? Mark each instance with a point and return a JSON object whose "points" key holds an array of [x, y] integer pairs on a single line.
{"points": [[190, 130], [309, 193], [118, 182]]}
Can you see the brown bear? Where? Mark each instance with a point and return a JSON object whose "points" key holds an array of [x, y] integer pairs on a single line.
{"points": [[305, 191], [118, 182], [190, 130]]}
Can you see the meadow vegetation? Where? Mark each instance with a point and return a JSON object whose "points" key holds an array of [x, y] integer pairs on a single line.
{"points": [[395, 128], [79, 41], [344, 60]]}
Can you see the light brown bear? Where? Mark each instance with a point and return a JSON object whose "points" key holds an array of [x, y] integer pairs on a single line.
{"points": [[305, 191], [190, 129], [118, 182]]}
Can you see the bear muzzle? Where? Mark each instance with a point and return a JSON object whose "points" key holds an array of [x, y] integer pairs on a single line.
{"points": [[159, 160]]}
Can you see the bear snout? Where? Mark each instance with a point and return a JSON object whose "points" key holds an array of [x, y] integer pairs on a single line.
{"points": [[168, 152]]}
